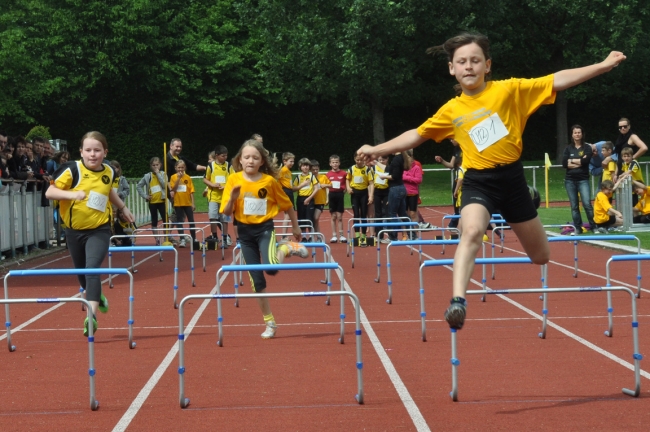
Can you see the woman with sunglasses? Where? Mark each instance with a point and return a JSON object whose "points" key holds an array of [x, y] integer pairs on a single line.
{"points": [[628, 139]]}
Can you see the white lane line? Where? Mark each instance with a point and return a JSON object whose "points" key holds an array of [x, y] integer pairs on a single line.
{"points": [[404, 395], [573, 336], [162, 367], [56, 306]]}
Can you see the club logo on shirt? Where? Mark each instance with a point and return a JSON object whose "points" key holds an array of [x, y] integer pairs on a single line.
{"points": [[185, 181], [105, 179], [262, 193]]}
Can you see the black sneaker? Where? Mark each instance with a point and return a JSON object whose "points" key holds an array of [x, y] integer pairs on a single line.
{"points": [[455, 315]]}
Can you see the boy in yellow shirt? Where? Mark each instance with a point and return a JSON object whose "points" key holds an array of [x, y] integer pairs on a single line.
{"points": [[322, 195], [216, 175], [361, 187], [609, 165], [181, 191], [307, 186], [642, 208], [606, 216]]}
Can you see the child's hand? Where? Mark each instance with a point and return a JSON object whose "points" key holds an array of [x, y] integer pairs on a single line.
{"points": [[148, 198], [127, 215], [439, 159], [235, 192], [370, 199], [305, 183], [297, 234], [171, 194], [349, 190], [613, 59], [79, 195], [307, 201], [193, 207]]}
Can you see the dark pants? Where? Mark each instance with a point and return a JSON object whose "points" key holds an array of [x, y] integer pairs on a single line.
{"points": [[88, 248], [359, 200], [258, 247], [380, 200], [305, 211], [155, 210], [396, 205], [181, 212]]}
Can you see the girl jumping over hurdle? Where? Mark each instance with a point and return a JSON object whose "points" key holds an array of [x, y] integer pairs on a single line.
{"points": [[488, 119], [254, 195], [84, 188]]}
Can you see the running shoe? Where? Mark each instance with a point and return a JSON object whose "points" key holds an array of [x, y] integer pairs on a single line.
{"points": [[182, 243], [385, 241], [295, 248], [228, 240], [86, 326], [455, 314], [333, 239], [271, 328], [342, 239], [103, 304]]}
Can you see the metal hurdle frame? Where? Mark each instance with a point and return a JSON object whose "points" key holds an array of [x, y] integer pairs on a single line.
{"points": [[186, 237], [70, 272], [616, 258], [94, 403], [446, 262], [134, 249], [352, 220], [202, 242], [408, 226], [185, 402], [406, 243], [165, 235], [455, 362], [238, 259]]}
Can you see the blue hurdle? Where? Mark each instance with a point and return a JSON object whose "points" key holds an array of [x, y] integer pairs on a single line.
{"points": [[381, 225], [618, 258], [272, 267], [238, 259], [353, 220], [406, 243], [184, 402], [94, 403], [134, 249], [455, 362], [448, 262], [69, 272]]}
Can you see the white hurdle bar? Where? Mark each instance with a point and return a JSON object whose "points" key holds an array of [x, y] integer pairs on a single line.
{"points": [[94, 403], [455, 362], [447, 262], [184, 402], [69, 272], [618, 258], [238, 259], [406, 243], [407, 226], [133, 249], [353, 220], [134, 270], [201, 242]]}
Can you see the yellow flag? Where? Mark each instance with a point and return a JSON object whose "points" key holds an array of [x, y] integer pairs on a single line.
{"points": [[547, 160]]}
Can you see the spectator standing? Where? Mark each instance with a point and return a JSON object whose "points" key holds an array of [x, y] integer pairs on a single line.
{"points": [[174, 155], [628, 139], [576, 181]]}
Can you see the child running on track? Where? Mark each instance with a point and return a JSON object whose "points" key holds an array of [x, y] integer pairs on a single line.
{"points": [[488, 119], [255, 197], [84, 189]]}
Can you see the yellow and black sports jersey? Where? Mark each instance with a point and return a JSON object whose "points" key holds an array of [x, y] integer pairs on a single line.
{"points": [[156, 190], [635, 168], [258, 200], [379, 182], [360, 178], [217, 173], [285, 177], [92, 211], [306, 190]]}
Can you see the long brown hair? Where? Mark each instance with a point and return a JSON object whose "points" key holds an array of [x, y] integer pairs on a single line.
{"points": [[94, 135], [268, 167]]}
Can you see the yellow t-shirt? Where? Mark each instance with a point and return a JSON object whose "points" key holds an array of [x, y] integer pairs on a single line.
{"points": [[379, 183], [321, 196], [258, 201], [154, 185], [217, 173], [92, 211], [488, 126], [644, 202], [360, 178], [182, 197], [635, 168], [611, 168], [601, 206], [306, 190], [285, 177]]}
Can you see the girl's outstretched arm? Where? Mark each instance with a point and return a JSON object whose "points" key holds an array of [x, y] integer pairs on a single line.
{"points": [[571, 77], [408, 140]]}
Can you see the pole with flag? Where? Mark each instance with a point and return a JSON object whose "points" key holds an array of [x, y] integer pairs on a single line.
{"points": [[547, 165]]}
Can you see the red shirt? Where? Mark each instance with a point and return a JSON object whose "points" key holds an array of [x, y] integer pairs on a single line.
{"points": [[337, 178]]}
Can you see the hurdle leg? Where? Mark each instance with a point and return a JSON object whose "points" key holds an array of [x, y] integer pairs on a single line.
{"points": [[342, 315], [11, 347], [94, 403], [184, 402], [454, 366], [352, 251], [329, 275], [610, 310], [203, 247], [110, 277], [219, 316], [325, 259], [133, 269], [388, 275], [636, 355], [542, 334], [176, 280], [130, 322], [575, 259], [378, 260], [423, 313], [638, 279], [493, 266], [192, 261]]}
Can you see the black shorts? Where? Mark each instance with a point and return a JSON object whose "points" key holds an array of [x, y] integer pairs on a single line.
{"points": [[289, 193], [337, 202], [319, 207], [412, 202], [610, 222], [503, 188]]}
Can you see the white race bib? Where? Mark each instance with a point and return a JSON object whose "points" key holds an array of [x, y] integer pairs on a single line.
{"points": [[358, 179], [97, 201], [181, 188], [379, 180], [336, 185], [220, 179], [155, 189], [488, 132], [254, 206], [306, 187]]}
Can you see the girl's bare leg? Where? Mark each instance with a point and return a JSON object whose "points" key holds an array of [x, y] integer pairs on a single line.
{"points": [[475, 218]]}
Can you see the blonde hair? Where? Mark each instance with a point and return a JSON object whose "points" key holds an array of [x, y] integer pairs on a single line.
{"points": [[287, 155], [268, 167], [408, 159], [627, 151]]}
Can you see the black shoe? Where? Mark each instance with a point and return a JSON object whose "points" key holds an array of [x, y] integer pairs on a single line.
{"points": [[455, 314]]}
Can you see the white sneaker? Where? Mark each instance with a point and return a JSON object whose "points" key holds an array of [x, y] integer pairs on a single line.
{"points": [[334, 239], [342, 239], [182, 243], [296, 248], [228, 240], [271, 328]]}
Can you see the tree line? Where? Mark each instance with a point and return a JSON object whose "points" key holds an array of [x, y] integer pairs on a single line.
{"points": [[313, 77]]}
